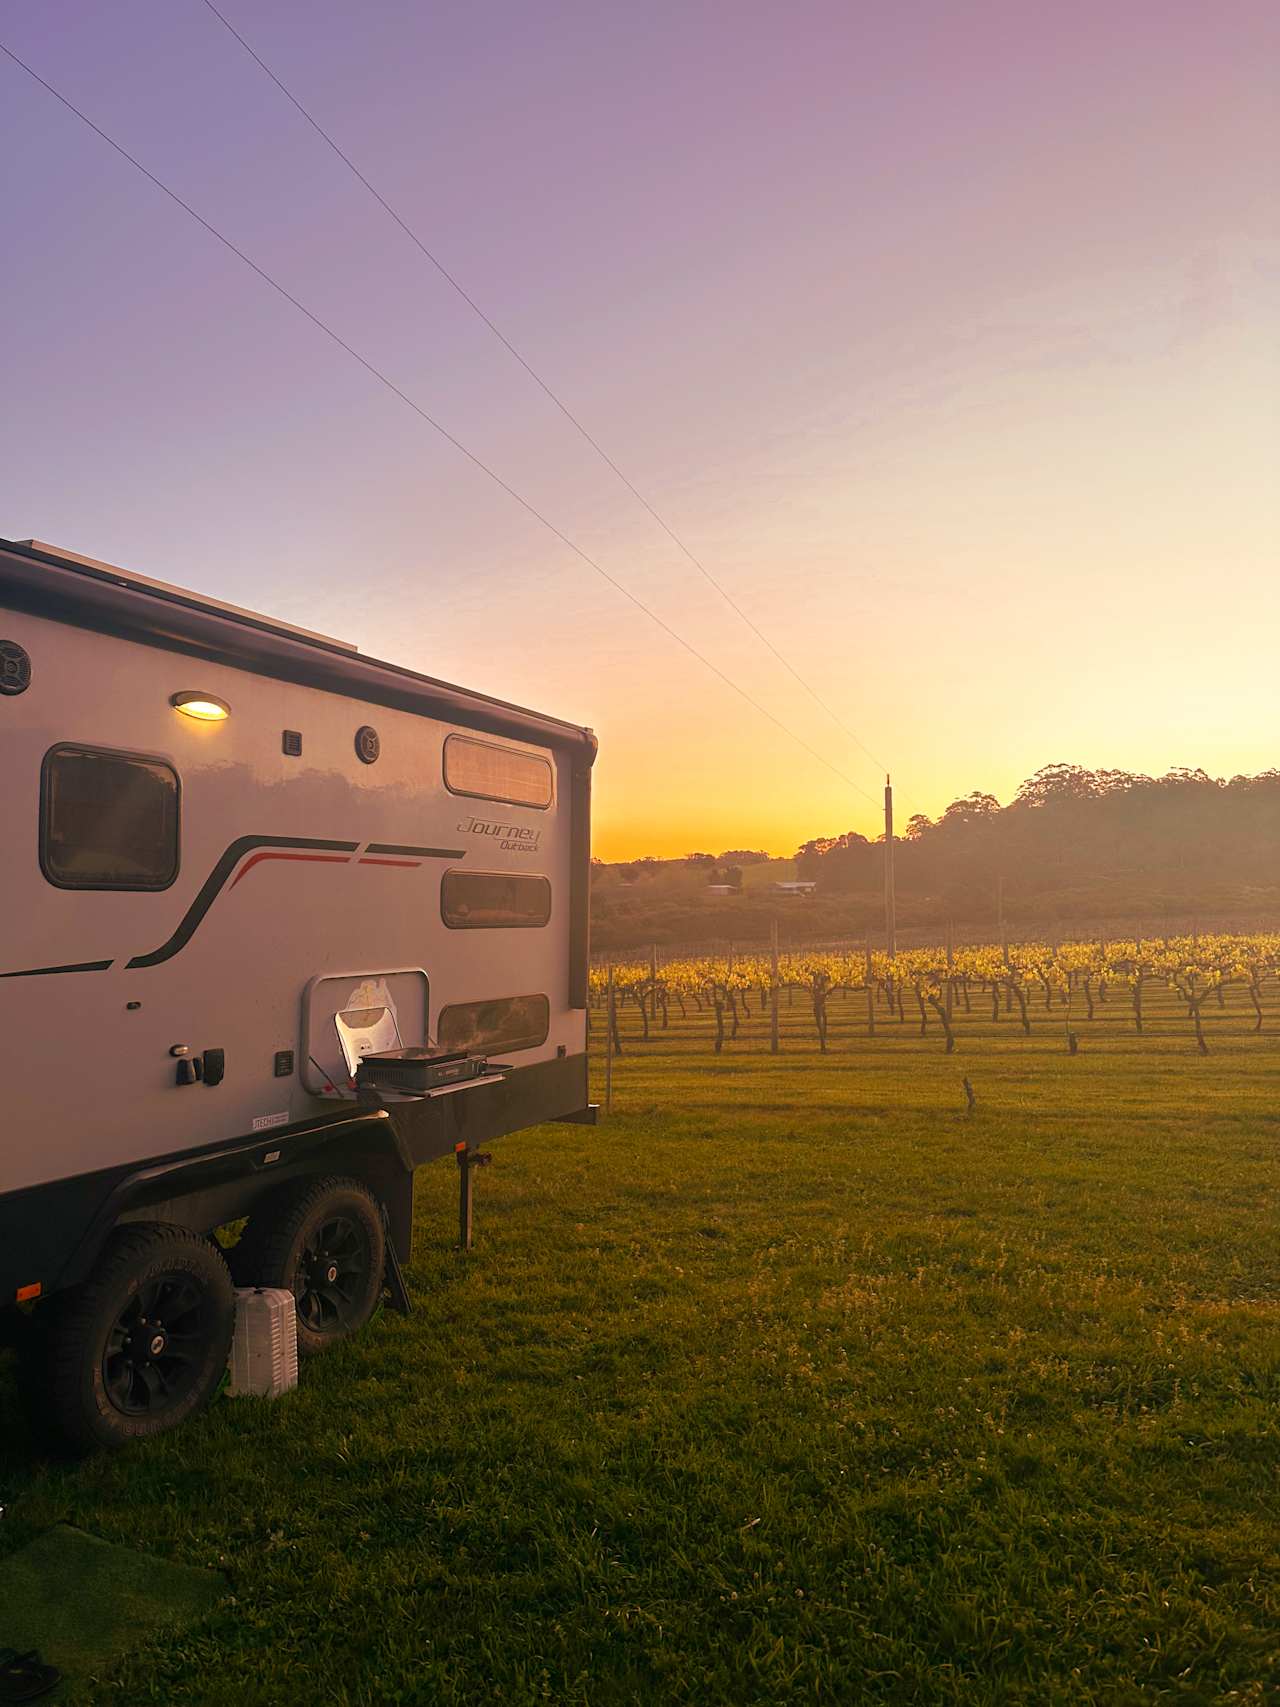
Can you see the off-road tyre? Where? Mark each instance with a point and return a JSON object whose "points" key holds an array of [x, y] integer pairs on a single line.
{"points": [[143, 1343], [324, 1242]]}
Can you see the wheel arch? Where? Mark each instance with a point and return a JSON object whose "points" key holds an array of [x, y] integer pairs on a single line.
{"points": [[204, 1191]]}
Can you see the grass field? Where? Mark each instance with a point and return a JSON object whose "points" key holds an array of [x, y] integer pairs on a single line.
{"points": [[792, 1382]]}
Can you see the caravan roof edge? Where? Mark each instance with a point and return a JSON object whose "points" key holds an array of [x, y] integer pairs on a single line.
{"points": [[46, 553], [95, 595]]}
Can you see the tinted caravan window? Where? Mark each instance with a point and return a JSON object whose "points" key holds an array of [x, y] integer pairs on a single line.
{"points": [[489, 772], [494, 900], [108, 820], [511, 1022]]}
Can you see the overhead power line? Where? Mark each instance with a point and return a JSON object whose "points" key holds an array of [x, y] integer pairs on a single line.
{"points": [[548, 391], [430, 420]]}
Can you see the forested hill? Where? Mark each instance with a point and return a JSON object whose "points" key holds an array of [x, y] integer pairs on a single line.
{"points": [[1076, 836], [1073, 846]]}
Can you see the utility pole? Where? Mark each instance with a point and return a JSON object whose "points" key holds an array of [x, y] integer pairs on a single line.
{"points": [[890, 894]]}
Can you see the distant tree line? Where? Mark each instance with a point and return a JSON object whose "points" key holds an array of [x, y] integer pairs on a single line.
{"points": [[712, 868], [734, 856]]}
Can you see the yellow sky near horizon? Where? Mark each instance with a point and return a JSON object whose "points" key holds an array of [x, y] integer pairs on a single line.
{"points": [[1091, 578]]}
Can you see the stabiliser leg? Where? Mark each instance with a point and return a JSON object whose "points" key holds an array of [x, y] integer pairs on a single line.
{"points": [[468, 1160], [392, 1273]]}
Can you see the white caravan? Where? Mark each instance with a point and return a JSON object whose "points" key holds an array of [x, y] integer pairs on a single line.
{"points": [[243, 868]]}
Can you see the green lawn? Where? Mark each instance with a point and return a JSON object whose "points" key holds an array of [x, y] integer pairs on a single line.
{"points": [[791, 1382]]}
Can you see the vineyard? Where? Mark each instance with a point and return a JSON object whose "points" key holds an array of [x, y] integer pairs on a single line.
{"points": [[1200, 986]]}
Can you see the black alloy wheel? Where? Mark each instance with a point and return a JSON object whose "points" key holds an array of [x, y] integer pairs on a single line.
{"points": [[154, 1350], [144, 1342], [333, 1274], [323, 1241]]}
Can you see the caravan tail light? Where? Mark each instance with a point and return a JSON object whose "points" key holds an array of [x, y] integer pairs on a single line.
{"points": [[25, 1294], [205, 707]]}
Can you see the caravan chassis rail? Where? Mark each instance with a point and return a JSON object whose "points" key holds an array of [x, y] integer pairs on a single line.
{"points": [[66, 1223]]}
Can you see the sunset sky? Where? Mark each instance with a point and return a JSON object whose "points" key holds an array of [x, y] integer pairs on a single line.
{"points": [[944, 334]]}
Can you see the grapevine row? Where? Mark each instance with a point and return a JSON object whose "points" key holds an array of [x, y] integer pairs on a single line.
{"points": [[1064, 983]]}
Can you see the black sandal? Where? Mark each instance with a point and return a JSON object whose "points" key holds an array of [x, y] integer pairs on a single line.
{"points": [[25, 1676]]}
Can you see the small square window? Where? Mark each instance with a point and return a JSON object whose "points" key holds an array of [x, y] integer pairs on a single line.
{"points": [[494, 900], [489, 772], [108, 820], [510, 1023]]}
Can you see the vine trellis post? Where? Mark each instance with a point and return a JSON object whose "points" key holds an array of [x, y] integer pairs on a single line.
{"points": [[773, 989], [610, 1022]]}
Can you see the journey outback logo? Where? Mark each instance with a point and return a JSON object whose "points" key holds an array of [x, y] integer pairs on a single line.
{"points": [[511, 838]]}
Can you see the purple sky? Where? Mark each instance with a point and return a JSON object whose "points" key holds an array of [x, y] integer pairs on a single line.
{"points": [[945, 334]]}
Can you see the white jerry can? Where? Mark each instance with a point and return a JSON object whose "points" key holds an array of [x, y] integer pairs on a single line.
{"points": [[264, 1351]]}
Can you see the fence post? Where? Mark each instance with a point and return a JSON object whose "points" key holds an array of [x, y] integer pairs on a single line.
{"points": [[608, 1047], [1000, 909], [951, 960], [871, 1000], [773, 990]]}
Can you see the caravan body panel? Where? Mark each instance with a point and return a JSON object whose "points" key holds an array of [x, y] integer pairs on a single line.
{"points": [[318, 848]]}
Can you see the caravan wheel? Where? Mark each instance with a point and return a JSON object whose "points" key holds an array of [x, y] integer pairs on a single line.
{"points": [[143, 1344], [324, 1243]]}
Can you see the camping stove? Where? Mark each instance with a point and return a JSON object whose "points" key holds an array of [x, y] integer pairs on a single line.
{"points": [[417, 1071]]}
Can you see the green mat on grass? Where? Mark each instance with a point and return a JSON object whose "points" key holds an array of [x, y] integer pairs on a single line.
{"points": [[84, 1602]]}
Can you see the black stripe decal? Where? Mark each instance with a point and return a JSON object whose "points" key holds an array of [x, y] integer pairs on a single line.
{"points": [[47, 971], [418, 853], [214, 882]]}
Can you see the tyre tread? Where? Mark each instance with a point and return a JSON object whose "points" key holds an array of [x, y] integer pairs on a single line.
{"points": [[128, 1248]]}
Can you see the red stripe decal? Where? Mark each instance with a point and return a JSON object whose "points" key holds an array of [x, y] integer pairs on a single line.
{"points": [[409, 864], [323, 859]]}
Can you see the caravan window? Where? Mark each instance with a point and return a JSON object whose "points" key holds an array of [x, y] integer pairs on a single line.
{"points": [[494, 900], [513, 1022], [108, 820], [489, 772]]}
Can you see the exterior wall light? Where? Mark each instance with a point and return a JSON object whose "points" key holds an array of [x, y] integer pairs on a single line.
{"points": [[205, 707]]}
